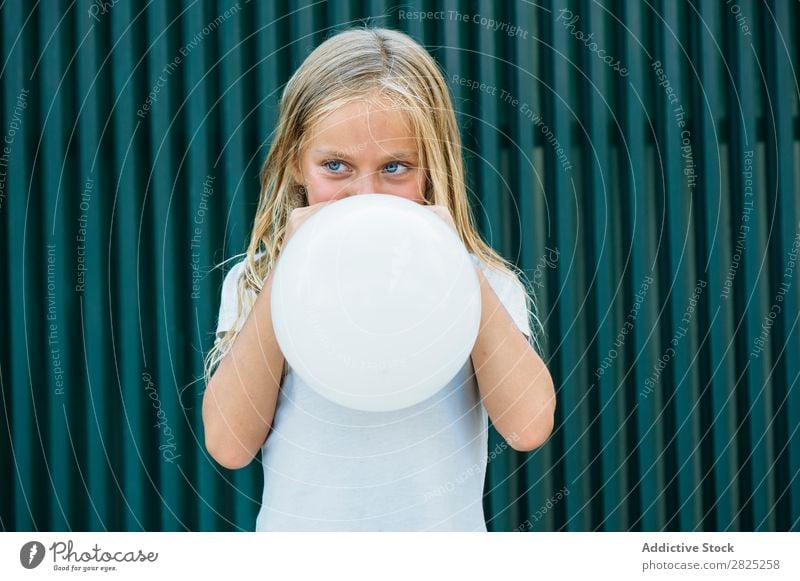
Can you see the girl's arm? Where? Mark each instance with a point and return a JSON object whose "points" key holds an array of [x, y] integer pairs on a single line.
{"points": [[240, 399], [513, 381], [239, 402], [515, 386]]}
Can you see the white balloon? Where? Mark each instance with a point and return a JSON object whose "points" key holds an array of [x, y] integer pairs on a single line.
{"points": [[375, 302]]}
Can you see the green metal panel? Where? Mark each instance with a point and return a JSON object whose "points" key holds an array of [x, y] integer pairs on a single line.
{"points": [[133, 135]]}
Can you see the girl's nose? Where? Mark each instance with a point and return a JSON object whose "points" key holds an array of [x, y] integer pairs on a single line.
{"points": [[365, 184]]}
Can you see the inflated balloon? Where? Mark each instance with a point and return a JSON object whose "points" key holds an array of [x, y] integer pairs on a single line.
{"points": [[375, 302]]}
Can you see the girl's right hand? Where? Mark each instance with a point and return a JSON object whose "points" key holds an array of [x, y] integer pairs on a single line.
{"points": [[300, 215]]}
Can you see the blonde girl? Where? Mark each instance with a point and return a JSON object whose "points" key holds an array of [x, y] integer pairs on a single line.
{"points": [[368, 111]]}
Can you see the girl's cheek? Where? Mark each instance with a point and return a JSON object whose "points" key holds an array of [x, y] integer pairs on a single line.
{"points": [[321, 195], [331, 189]]}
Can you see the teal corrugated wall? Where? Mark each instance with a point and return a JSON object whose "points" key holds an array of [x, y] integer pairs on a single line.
{"points": [[638, 160]]}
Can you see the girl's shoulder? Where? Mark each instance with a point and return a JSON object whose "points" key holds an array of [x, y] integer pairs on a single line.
{"points": [[229, 302], [510, 290], [505, 284], [500, 279], [233, 278]]}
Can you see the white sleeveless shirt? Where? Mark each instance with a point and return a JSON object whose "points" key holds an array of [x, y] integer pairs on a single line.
{"points": [[331, 468]]}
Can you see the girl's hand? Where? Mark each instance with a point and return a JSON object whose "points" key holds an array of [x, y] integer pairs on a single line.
{"points": [[300, 215], [444, 214]]}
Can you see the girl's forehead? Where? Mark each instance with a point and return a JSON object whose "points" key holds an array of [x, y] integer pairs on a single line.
{"points": [[363, 123], [371, 112]]}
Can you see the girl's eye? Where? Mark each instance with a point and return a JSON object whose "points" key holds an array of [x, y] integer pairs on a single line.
{"points": [[394, 168], [332, 162], [401, 168]]}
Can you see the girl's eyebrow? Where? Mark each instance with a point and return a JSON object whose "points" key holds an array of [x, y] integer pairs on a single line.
{"points": [[406, 155]]}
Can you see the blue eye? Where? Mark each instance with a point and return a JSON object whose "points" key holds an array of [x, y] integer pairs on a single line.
{"points": [[399, 165], [328, 163], [394, 168]]}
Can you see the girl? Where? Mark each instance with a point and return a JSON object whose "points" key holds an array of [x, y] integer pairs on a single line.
{"points": [[368, 111]]}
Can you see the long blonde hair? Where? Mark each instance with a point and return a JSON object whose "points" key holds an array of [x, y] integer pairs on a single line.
{"points": [[355, 65]]}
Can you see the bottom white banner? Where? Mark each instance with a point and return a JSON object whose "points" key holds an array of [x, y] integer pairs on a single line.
{"points": [[761, 556]]}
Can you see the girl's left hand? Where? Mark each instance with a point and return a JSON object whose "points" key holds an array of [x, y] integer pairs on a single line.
{"points": [[444, 213]]}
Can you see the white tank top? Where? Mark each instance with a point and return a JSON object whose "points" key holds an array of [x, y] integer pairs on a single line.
{"points": [[331, 468]]}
